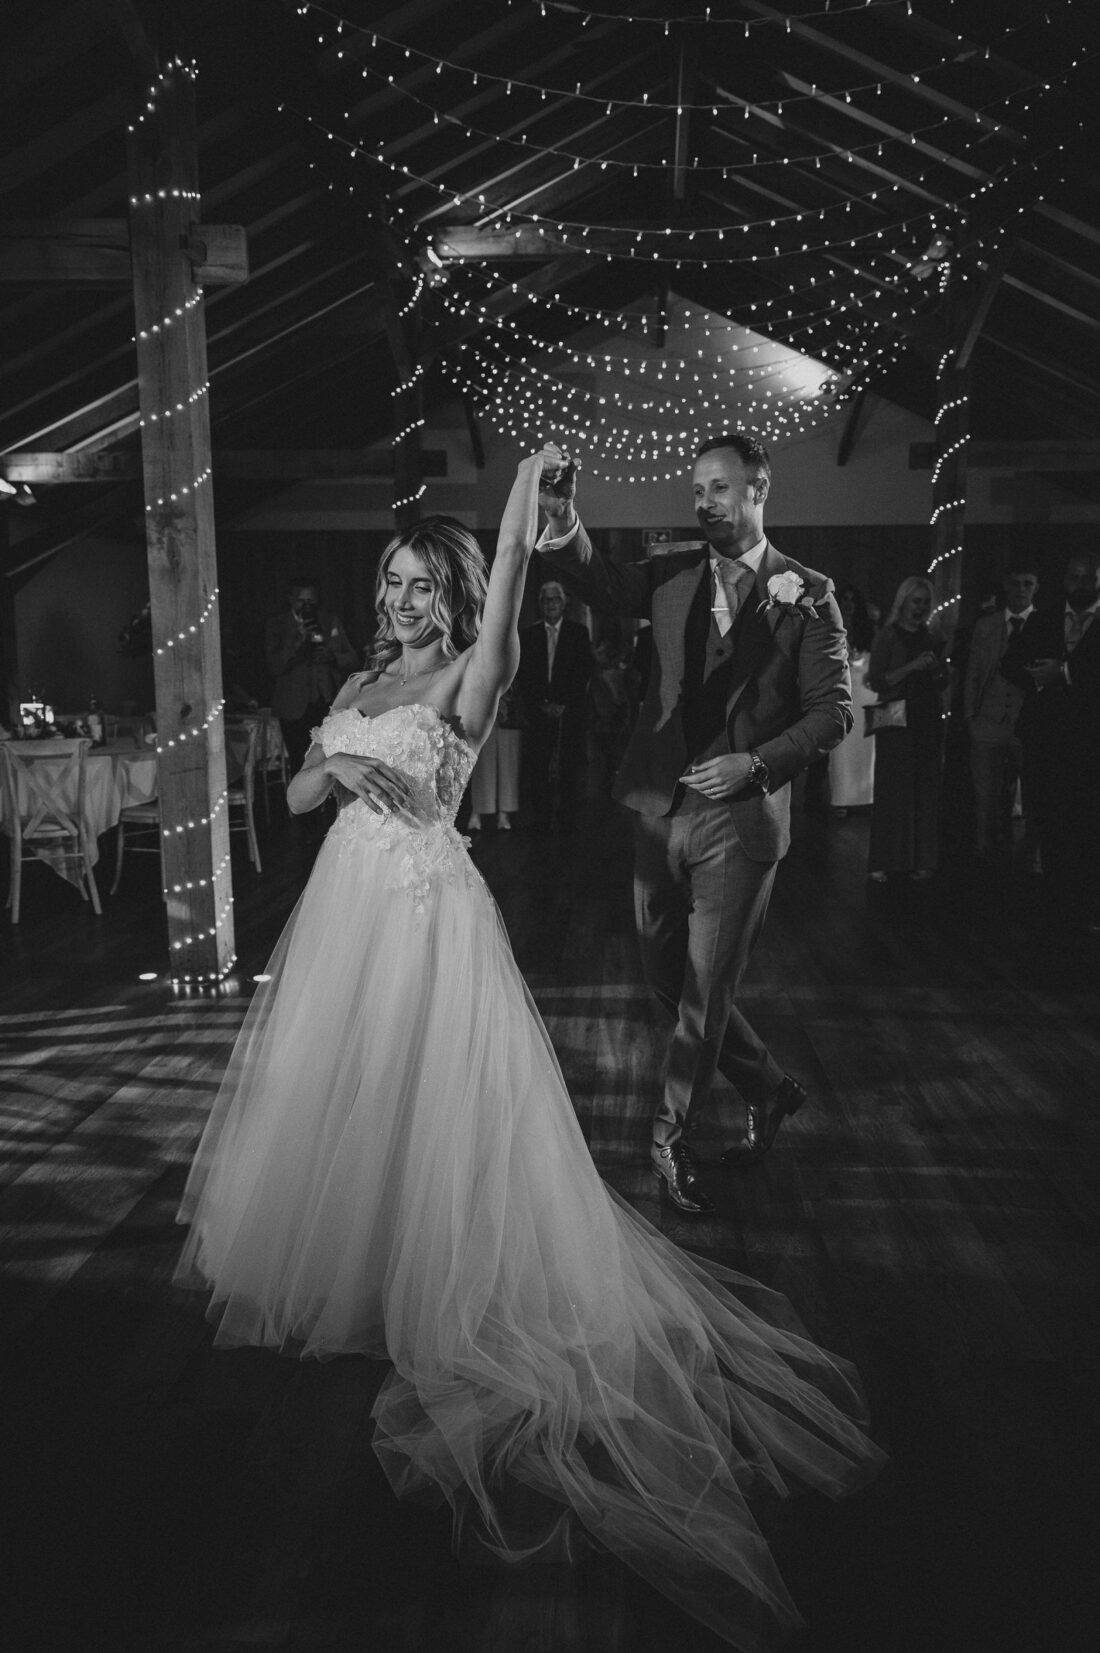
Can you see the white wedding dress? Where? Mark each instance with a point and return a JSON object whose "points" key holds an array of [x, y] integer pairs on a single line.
{"points": [[393, 1167]]}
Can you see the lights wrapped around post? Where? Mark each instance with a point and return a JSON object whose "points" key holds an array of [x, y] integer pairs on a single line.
{"points": [[170, 344]]}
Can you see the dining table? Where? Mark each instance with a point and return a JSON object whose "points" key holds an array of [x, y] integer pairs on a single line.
{"points": [[121, 773]]}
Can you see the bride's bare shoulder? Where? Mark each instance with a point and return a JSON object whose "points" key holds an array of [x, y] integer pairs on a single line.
{"points": [[353, 688]]}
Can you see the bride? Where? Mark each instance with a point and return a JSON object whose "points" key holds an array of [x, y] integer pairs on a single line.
{"points": [[393, 1167]]}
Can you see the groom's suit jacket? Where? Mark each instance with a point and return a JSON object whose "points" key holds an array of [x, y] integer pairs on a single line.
{"points": [[789, 695]]}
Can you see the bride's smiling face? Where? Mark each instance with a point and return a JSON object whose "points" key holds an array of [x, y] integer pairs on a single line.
{"points": [[410, 589]]}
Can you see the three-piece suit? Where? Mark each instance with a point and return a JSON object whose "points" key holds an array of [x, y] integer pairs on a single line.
{"points": [[777, 683]]}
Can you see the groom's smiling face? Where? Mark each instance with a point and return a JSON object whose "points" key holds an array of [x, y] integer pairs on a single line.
{"points": [[729, 500]]}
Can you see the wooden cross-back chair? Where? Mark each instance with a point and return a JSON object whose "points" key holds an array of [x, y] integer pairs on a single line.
{"points": [[44, 786], [139, 826], [242, 749]]}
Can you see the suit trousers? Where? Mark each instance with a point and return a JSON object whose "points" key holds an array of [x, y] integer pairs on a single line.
{"points": [[995, 758], [700, 904]]}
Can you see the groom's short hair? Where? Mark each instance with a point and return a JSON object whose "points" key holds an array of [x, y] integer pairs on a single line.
{"points": [[751, 450]]}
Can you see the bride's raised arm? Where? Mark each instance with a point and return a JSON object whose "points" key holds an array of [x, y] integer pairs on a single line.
{"points": [[494, 658]]}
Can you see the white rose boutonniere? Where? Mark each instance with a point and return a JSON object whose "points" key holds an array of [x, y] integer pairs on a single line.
{"points": [[788, 591]]}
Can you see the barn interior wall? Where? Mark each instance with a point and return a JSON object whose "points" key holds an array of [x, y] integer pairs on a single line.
{"points": [[865, 522]]}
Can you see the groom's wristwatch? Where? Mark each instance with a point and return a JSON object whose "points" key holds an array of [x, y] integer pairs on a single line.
{"points": [[760, 775]]}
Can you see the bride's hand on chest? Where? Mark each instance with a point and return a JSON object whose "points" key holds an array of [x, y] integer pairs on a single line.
{"points": [[381, 787]]}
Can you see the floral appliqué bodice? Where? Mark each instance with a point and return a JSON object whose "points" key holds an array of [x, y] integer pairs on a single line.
{"points": [[417, 742]]}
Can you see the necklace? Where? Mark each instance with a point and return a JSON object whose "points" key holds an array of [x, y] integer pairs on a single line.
{"points": [[425, 671]]}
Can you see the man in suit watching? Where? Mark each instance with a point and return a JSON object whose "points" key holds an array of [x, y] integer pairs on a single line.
{"points": [[1060, 730], [749, 684], [991, 706], [555, 664]]}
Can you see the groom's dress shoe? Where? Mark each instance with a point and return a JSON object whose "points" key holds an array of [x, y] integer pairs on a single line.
{"points": [[762, 1122], [675, 1169]]}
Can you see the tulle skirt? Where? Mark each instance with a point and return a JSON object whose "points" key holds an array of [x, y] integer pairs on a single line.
{"points": [[393, 1167]]}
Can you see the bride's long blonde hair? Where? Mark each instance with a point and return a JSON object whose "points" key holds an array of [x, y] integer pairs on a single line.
{"points": [[456, 564]]}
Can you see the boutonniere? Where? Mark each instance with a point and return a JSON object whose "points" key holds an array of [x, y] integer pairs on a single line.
{"points": [[787, 591]]}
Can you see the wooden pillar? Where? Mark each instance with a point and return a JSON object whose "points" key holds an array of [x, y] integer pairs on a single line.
{"points": [[170, 331], [403, 337], [10, 686], [408, 409], [949, 473]]}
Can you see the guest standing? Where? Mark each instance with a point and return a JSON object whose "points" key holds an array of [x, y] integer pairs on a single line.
{"points": [[555, 664], [494, 784], [852, 763], [1060, 728], [308, 656], [991, 706], [907, 668]]}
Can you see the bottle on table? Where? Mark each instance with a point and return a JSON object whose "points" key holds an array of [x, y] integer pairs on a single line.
{"points": [[97, 728]]}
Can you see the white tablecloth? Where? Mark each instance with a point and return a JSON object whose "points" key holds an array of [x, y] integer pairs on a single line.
{"points": [[116, 776], [852, 763]]}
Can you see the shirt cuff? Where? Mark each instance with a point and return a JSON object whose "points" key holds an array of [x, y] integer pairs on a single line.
{"points": [[546, 543]]}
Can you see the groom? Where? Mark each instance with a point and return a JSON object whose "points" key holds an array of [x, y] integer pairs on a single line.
{"points": [[749, 685]]}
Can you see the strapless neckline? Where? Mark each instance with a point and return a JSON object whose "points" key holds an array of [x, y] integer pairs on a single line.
{"points": [[412, 706]]}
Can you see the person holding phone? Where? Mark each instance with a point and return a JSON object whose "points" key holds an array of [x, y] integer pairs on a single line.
{"points": [[308, 656]]}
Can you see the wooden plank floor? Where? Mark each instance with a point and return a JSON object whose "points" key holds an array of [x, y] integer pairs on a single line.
{"points": [[933, 1215]]}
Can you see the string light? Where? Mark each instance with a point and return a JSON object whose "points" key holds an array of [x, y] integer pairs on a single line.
{"points": [[191, 70], [577, 93], [624, 443], [624, 241], [410, 499], [587, 13], [801, 92], [206, 931]]}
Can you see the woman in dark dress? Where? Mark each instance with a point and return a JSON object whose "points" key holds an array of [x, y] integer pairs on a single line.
{"points": [[907, 665]]}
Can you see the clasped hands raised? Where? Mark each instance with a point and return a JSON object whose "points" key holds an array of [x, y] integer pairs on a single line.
{"points": [[558, 485]]}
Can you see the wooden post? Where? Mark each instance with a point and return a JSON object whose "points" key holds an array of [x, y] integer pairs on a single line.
{"points": [[949, 475], [408, 410], [170, 333], [9, 643]]}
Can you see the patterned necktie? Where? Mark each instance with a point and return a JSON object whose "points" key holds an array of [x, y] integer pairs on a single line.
{"points": [[729, 584], [551, 650], [1076, 627]]}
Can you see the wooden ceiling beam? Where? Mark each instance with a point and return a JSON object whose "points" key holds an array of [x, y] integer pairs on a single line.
{"points": [[132, 29], [113, 416], [96, 252], [549, 278], [1083, 318], [1070, 454], [49, 47], [63, 139], [685, 94], [885, 72], [868, 121], [994, 275], [232, 464], [1045, 368], [1068, 221], [124, 350]]}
